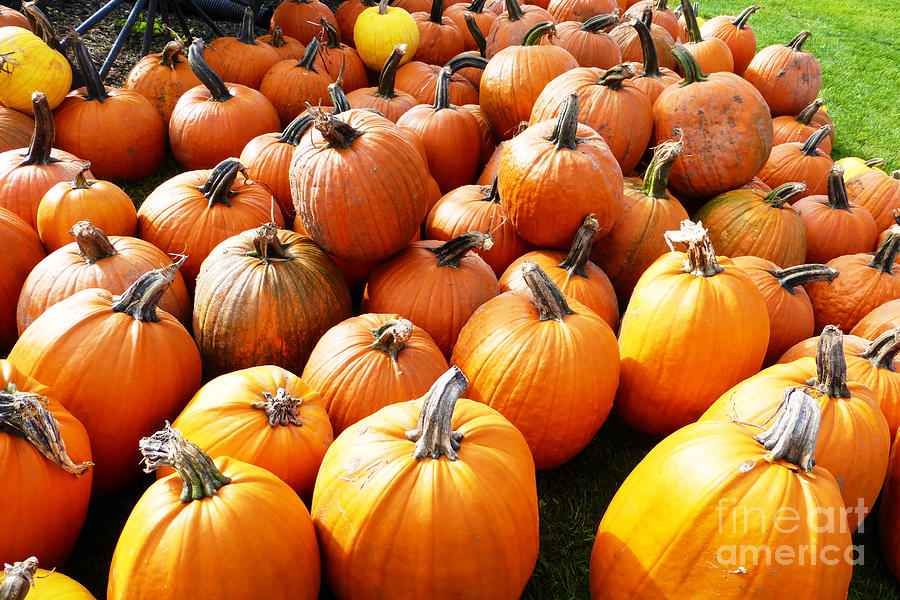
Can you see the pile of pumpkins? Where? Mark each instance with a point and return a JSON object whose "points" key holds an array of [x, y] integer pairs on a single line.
{"points": [[393, 303]]}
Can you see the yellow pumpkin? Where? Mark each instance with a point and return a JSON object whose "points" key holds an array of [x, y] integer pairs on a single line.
{"points": [[854, 165], [29, 65], [39, 584], [379, 29]]}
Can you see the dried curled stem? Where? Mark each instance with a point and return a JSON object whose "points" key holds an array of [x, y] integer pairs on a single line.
{"points": [[281, 409]]}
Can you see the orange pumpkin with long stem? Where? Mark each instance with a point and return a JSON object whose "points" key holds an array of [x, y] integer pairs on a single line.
{"points": [[367, 362], [805, 162], [573, 273], [662, 15], [632, 47], [162, 78], [24, 252], [712, 54], [291, 85], [239, 59], [876, 368], [285, 46], [735, 32], [385, 98], [789, 128], [483, 21], [580, 11], [588, 42], [334, 57], [511, 26], [694, 354], [444, 455], [440, 38], [648, 212], [117, 363], [300, 19], [347, 13], [653, 79], [877, 192], [420, 80], [808, 348], [854, 440], [94, 260], [787, 76], [791, 318]]}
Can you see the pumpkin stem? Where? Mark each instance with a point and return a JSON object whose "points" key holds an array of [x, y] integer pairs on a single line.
{"points": [[442, 91], [382, 7], [514, 10], [450, 253], [276, 37], [811, 146], [492, 194], [598, 23], [882, 352], [141, 298], [18, 579], [389, 73], [337, 133], [93, 245], [463, 61], [295, 129], [281, 409], [248, 26], [391, 337], [477, 34], [740, 21], [434, 435], [41, 26], [217, 188], [267, 247], [307, 61], [199, 476], [875, 162], [564, 132], [614, 77], [689, 66], [80, 182], [651, 58], [25, 415], [437, 11], [690, 21], [533, 36], [798, 275], [701, 257], [332, 35], [656, 178], [837, 189], [831, 366], [41, 148], [662, 5], [548, 299], [806, 115], [887, 251], [92, 82], [793, 436], [477, 7], [580, 252], [896, 214], [895, 174], [337, 96], [171, 54], [784, 192], [796, 44], [217, 89]]}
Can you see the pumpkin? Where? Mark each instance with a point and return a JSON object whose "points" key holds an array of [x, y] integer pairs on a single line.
{"points": [[68, 202], [726, 141], [412, 6], [347, 13], [450, 134], [162, 78], [379, 29], [94, 260], [443, 455], [285, 46], [30, 65], [662, 15], [367, 362], [359, 223], [385, 98], [711, 53], [45, 464], [292, 85], [296, 293], [214, 121], [573, 273], [653, 79], [854, 440], [877, 192], [787, 76], [19, 582], [808, 348], [23, 253], [440, 38], [865, 282], [482, 19], [804, 162], [789, 128], [27, 173], [257, 515], [193, 212], [727, 488], [16, 129], [511, 26], [834, 225], [119, 131], [714, 334], [648, 212], [878, 320], [609, 104], [477, 208], [555, 173], [300, 18], [876, 368], [888, 522], [9, 16], [119, 365], [588, 42], [335, 58], [436, 285], [264, 416], [420, 80], [239, 59], [580, 11], [473, 74], [488, 139], [737, 35], [791, 318], [746, 222], [632, 47], [853, 165]]}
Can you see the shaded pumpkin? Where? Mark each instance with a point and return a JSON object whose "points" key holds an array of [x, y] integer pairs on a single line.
{"points": [[489, 141], [16, 129], [735, 32], [10, 16], [240, 59], [23, 251], [805, 162], [347, 13], [787, 76], [300, 18], [384, 97], [630, 42], [789, 128]]}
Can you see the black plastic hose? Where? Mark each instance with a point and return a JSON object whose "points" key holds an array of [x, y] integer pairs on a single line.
{"points": [[231, 10]]}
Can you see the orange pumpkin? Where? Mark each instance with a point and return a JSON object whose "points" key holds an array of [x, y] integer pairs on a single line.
{"points": [[804, 162], [285, 46], [662, 15], [511, 26], [654, 78], [420, 80], [16, 129], [809, 347], [481, 18], [291, 85], [877, 192], [579, 10], [789, 128], [631, 45], [876, 368], [162, 78], [588, 42], [440, 38], [334, 58], [880, 319], [712, 54], [385, 98], [23, 253], [300, 18], [735, 32], [347, 13], [239, 59], [9, 16], [788, 77], [488, 139]]}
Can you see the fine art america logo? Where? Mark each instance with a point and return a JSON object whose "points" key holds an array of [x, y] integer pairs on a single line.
{"points": [[738, 522]]}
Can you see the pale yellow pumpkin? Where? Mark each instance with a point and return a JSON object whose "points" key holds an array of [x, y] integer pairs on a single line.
{"points": [[379, 29], [29, 65]]}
